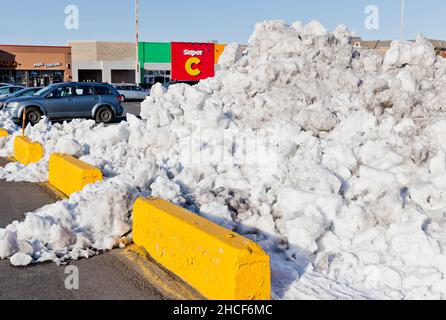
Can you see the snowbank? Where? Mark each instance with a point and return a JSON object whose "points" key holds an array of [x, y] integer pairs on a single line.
{"points": [[330, 158]]}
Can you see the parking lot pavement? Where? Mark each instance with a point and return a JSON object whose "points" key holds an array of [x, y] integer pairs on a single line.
{"points": [[132, 108], [107, 276]]}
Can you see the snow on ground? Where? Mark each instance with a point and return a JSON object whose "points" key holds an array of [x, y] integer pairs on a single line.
{"points": [[332, 159]]}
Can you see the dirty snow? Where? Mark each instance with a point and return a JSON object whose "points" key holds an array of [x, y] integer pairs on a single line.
{"points": [[332, 159]]}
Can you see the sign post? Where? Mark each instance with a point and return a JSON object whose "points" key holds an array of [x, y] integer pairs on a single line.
{"points": [[403, 8], [138, 69], [23, 121]]}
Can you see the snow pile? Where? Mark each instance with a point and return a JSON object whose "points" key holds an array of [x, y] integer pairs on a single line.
{"points": [[330, 158], [5, 142], [97, 218]]}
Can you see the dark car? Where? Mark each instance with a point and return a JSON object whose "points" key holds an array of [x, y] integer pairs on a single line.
{"points": [[22, 93], [8, 91], [101, 102]]}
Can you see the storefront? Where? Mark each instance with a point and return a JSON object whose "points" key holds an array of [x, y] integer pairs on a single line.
{"points": [[177, 61], [34, 65], [155, 62], [100, 61]]}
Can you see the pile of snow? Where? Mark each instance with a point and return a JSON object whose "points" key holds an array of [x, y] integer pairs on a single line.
{"points": [[5, 143], [332, 159]]}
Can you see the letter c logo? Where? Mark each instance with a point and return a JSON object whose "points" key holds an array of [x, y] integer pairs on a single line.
{"points": [[190, 63]]}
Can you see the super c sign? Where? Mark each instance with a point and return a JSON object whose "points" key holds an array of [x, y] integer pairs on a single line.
{"points": [[192, 61]]}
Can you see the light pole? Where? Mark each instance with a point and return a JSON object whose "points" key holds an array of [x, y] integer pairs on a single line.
{"points": [[403, 8], [137, 68]]}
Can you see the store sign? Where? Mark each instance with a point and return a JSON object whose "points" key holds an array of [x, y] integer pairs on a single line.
{"points": [[47, 65], [192, 61], [8, 64]]}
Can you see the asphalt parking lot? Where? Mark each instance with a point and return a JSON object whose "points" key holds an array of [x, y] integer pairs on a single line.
{"points": [[133, 107], [106, 276], [121, 274]]}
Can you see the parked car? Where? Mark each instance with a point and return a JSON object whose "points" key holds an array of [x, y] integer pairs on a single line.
{"points": [[7, 91], [22, 93], [2, 84], [131, 91], [101, 102]]}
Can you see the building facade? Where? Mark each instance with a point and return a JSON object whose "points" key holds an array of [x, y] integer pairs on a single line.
{"points": [[109, 62], [155, 59], [166, 61], [35, 65]]}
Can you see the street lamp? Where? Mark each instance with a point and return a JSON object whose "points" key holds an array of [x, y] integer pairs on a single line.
{"points": [[137, 68], [403, 8]]}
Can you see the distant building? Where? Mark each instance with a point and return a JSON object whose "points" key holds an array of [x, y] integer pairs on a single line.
{"points": [[382, 46], [109, 62], [166, 61], [35, 65]]}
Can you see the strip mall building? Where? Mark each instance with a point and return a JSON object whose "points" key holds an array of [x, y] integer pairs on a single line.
{"points": [[177, 61], [116, 62], [109, 62], [35, 65]]}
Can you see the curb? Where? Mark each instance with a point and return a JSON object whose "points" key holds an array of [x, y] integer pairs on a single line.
{"points": [[218, 263], [155, 274], [26, 151], [70, 175], [3, 133]]}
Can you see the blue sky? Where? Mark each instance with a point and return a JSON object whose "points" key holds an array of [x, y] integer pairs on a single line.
{"points": [[42, 21]]}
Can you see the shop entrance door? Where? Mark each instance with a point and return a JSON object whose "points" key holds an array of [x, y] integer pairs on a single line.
{"points": [[46, 80]]}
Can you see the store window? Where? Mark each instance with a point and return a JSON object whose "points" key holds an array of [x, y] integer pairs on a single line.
{"points": [[154, 76], [5, 75], [44, 78], [13, 77]]}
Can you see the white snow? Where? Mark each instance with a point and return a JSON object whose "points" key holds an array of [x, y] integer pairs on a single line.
{"points": [[332, 159]]}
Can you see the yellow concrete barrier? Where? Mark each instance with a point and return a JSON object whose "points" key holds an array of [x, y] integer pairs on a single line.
{"points": [[218, 263], [70, 175], [3, 133], [26, 151]]}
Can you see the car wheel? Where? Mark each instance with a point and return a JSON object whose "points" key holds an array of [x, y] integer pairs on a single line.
{"points": [[104, 115], [33, 115], [124, 99]]}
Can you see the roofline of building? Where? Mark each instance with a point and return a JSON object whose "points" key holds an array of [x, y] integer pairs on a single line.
{"points": [[33, 46], [103, 41]]}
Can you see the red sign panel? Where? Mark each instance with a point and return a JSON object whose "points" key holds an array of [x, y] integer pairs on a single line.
{"points": [[192, 61]]}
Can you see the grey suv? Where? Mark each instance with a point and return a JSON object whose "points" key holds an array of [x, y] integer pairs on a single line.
{"points": [[101, 102]]}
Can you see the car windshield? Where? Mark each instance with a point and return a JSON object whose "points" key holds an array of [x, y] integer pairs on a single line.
{"points": [[44, 91]]}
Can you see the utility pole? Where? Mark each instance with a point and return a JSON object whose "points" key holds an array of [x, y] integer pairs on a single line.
{"points": [[403, 8], [137, 67]]}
